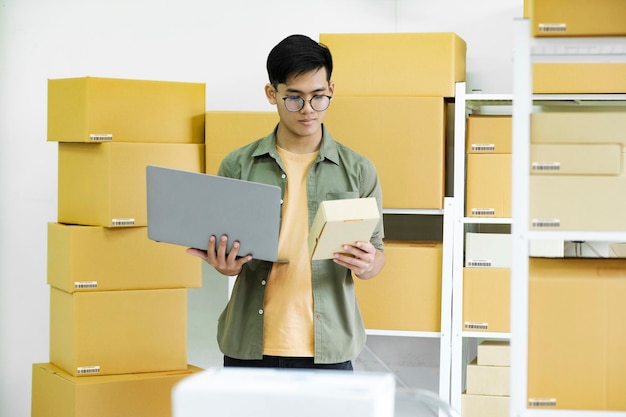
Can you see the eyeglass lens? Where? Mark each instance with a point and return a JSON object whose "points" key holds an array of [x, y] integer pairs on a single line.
{"points": [[296, 103]]}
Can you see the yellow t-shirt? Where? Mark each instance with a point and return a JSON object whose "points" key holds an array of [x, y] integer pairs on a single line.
{"points": [[288, 310]]}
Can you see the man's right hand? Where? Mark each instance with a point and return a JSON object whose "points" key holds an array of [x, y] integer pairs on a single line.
{"points": [[226, 264]]}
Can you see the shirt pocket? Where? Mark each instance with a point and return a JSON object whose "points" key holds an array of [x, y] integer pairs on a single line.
{"points": [[342, 195]]}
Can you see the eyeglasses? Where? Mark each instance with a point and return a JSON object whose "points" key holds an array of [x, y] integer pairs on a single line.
{"points": [[296, 103]]}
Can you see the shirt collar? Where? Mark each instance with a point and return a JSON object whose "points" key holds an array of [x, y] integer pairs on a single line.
{"points": [[328, 148]]}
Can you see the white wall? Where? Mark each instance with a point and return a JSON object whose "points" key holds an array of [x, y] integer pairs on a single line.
{"points": [[223, 44]]}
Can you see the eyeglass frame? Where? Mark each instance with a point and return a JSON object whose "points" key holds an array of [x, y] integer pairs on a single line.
{"points": [[303, 102]]}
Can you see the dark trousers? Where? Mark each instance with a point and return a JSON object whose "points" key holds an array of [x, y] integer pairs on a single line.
{"points": [[285, 362]]}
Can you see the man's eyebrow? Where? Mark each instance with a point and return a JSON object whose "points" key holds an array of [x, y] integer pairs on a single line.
{"points": [[295, 90]]}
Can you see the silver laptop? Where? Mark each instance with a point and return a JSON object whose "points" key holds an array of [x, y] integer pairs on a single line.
{"points": [[185, 208]]}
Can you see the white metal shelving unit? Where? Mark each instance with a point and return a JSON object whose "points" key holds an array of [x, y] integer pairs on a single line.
{"points": [[446, 293], [464, 104], [527, 51]]}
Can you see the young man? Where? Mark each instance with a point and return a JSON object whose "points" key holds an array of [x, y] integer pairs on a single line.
{"points": [[301, 314]]}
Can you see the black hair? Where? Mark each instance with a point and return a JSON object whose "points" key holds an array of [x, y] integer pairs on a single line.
{"points": [[296, 55]]}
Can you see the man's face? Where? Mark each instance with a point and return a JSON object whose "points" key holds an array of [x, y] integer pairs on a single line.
{"points": [[306, 122]]}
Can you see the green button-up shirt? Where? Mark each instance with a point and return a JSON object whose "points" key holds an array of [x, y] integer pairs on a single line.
{"points": [[337, 173]]}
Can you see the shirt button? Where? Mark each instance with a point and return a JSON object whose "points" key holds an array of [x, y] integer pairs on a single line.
{"points": [[283, 176], [260, 311], [263, 282], [281, 201]]}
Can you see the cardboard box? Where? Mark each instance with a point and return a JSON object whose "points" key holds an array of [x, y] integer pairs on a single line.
{"points": [[118, 332], [488, 185], [488, 250], [284, 392], [104, 184], [56, 393], [547, 248], [572, 127], [406, 294], [577, 17], [484, 405], [575, 354], [489, 134], [404, 137], [92, 109], [557, 203], [486, 299], [494, 353], [94, 258], [579, 78], [488, 380], [340, 222], [576, 159], [424, 64], [226, 131]]}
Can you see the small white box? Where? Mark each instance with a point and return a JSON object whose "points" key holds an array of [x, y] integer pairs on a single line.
{"points": [[494, 353], [488, 250], [340, 222], [262, 392]]}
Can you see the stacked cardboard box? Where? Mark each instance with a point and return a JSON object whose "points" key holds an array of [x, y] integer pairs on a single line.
{"points": [[118, 301], [488, 385], [487, 282], [579, 19], [575, 347]]}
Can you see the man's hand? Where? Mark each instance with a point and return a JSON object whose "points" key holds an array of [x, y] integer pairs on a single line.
{"points": [[362, 258], [225, 264]]}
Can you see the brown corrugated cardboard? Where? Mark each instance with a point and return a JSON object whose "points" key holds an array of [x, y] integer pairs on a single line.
{"points": [[226, 131], [404, 137], [104, 184], [94, 258], [118, 332], [576, 159], [489, 134], [406, 295], [55, 393], [579, 78], [92, 109], [424, 64], [591, 127], [577, 17], [486, 299], [488, 185], [575, 352]]}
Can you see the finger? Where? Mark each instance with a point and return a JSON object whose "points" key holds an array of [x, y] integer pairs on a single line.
{"points": [[221, 249], [197, 252], [211, 257]]}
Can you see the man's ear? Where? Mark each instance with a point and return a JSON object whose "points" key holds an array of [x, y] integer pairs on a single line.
{"points": [[270, 93], [331, 87]]}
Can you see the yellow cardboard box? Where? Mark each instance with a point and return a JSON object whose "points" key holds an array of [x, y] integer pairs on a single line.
{"points": [[56, 393], [489, 134], [488, 380], [92, 109], [484, 405], [406, 295], [397, 64], [576, 159], [579, 78], [486, 299], [577, 202], [340, 222], [118, 332], [577, 17], [488, 185], [404, 137], [591, 127], [494, 353], [575, 352], [104, 184], [226, 131], [94, 258]]}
